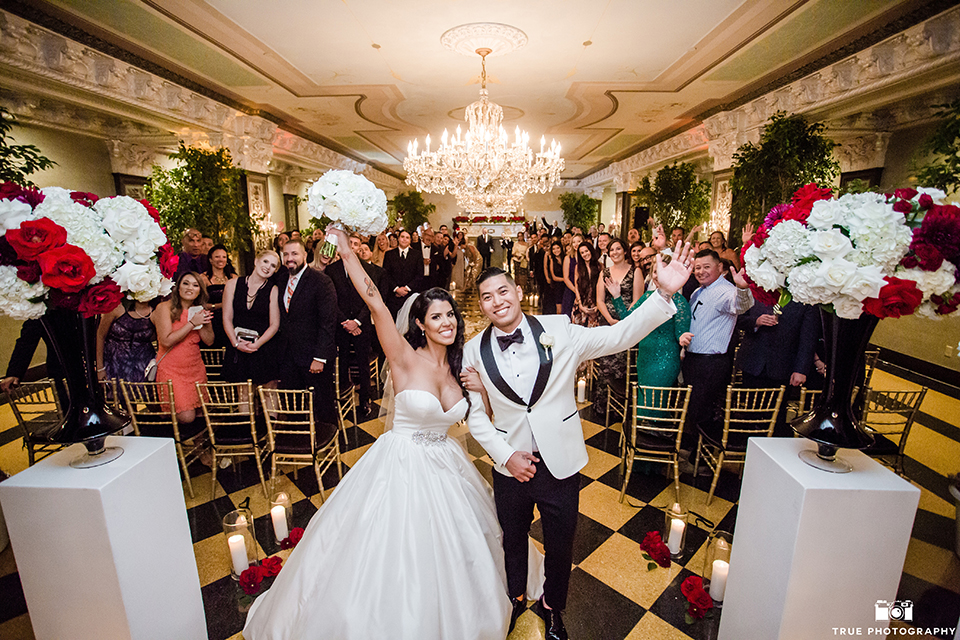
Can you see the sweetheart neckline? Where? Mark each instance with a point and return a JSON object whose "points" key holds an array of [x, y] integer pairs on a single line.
{"points": [[445, 411]]}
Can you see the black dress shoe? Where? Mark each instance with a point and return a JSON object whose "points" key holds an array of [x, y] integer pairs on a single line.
{"points": [[551, 618], [519, 606]]}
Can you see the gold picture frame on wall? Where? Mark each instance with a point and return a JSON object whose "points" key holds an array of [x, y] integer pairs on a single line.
{"points": [[128, 185]]}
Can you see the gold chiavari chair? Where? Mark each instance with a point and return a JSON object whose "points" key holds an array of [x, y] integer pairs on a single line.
{"points": [[39, 415], [618, 402], [213, 363], [889, 416]]}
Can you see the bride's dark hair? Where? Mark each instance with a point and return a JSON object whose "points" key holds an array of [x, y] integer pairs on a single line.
{"points": [[417, 339]]}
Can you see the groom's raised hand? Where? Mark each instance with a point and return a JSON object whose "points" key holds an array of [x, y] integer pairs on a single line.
{"points": [[673, 276], [521, 465]]}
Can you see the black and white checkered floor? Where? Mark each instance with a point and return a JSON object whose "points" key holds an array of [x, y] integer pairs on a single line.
{"points": [[613, 595]]}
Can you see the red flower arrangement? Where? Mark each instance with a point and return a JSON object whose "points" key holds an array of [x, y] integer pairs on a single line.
{"points": [[655, 551], [699, 600], [293, 539]]}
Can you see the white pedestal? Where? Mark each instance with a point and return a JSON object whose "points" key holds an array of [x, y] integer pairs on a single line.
{"points": [[814, 551], [106, 552]]}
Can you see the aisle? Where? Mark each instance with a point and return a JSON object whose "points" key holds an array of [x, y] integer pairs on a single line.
{"points": [[612, 595]]}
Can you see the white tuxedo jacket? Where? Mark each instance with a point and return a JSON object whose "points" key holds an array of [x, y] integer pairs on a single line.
{"points": [[551, 413]]}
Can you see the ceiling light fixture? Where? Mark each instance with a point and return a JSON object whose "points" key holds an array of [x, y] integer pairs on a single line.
{"points": [[482, 169]]}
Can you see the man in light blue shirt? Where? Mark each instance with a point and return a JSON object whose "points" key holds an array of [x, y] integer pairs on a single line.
{"points": [[714, 308]]}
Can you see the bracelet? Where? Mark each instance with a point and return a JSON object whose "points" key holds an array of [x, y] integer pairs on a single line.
{"points": [[236, 345]]}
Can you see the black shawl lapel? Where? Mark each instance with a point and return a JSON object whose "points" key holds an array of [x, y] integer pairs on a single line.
{"points": [[546, 364], [490, 363]]}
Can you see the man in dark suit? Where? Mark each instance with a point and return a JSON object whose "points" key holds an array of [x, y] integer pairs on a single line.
{"points": [[31, 333], [355, 331], [506, 242], [308, 321], [402, 273], [777, 349], [485, 247]]}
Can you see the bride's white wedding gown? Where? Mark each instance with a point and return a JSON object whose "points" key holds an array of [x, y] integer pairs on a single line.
{"points": [[408, 546]]}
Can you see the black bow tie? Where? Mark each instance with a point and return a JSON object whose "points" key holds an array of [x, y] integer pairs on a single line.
{"points": [[506, 341]]}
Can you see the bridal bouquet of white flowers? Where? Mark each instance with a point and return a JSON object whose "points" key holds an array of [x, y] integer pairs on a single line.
{"points": [[840, 252], [350, 202], [72, 250]]}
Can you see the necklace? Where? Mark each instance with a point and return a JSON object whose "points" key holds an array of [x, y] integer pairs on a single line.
{"points": [[138, 315], [252, 298]]}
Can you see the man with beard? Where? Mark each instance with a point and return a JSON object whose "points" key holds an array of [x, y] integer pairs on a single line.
{"points": [[308, 321]]}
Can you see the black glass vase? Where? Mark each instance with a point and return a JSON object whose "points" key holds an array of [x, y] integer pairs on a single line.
{"points": [[88, 418], [832, 422]]}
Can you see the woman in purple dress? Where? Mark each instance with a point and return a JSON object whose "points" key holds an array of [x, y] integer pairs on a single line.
{"points": [[125, 343]]}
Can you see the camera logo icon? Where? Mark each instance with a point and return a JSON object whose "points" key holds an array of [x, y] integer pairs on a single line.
{"points": [[896, 610]]}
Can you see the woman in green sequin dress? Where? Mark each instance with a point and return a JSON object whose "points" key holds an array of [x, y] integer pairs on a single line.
{"points": [[658, 355]]}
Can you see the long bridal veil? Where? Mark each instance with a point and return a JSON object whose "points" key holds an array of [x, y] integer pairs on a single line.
{"points": [[387, 400]]}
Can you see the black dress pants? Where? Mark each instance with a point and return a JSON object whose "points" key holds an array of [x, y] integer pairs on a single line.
{"points": [[324, 395], [559, 503], [708, 375], [360, 358]]}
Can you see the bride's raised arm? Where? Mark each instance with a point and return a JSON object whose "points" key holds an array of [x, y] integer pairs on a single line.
{"points": [[395, 346]]}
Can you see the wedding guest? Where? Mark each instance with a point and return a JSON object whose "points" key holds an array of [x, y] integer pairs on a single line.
{"points": [[415, 237], [380, 249], [714, 308], [485, 247], [718, 242], [219, 272], [646, 258], [31, 333], [459, 270], [611, 370], [394, 241], [537, 254], [633, 236], [569, 275], [677, 234], [506, 244], [191, 257], [279, 241], [206, 244], [402, 273], [354, 332], [181, 324], [125, 342], [308, 319], [519, 255], [321, 261], [251, 319], [585, 312], [553, 274], [448, 255], [603, 244]]}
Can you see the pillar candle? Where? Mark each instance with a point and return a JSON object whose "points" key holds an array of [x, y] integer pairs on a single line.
{"points": [[238, 553], [582, 390], [279, 516], [718, 579], [676, 535]]}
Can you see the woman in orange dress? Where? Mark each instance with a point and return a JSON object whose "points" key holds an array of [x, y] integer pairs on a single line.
{"points": [[179, 333]]}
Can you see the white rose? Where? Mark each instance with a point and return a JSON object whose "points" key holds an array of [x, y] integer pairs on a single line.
{"points": [[825, 214], [847, 307], [937, 195], [767, 277], [12, 213], [833, 275], [830, 243], [865, 283], [123, 217], [141, 281]]}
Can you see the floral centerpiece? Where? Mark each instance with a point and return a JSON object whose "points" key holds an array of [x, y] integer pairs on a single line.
{"points": [[860, 257], [884, 255], [72, 250], [66, 257], [349, 202]]}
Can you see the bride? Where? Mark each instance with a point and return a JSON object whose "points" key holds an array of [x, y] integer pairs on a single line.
{"points": [[408, 546]]}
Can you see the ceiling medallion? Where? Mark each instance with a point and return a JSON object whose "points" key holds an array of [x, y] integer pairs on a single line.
{"points": [[485, 172], [499, 38]]}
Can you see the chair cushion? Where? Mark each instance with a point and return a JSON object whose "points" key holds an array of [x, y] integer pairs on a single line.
{"points": [[326, 432], [647, 440], [292, 443], [42, 430]]}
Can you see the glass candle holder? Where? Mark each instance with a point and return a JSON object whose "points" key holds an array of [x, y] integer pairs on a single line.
{"points": [[281, 516], [241, 542], [716, 564], [675, 530]]}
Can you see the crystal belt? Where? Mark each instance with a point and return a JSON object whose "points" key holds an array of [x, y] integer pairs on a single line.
{"points": [[429, 438]]}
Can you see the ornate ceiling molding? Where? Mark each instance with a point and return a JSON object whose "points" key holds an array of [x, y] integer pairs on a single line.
{"points": [[501, 39], [61, 83], [626, 172]]}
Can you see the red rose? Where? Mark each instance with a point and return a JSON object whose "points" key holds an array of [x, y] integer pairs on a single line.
{"points": [[928, 257], [86, 199], [661, 555], [151, 210], [271, 566], [250, 579], [29, 272], [295, 535], [897, 298], [650, 541], [906, 194], [689, 585], [100, 298], [168, 261], [800, 214], [903, 206], [925, 201], [35, 237], [701, 599], [808, 194], [66, 268]]}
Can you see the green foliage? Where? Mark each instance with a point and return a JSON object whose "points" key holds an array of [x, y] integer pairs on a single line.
{"points": [[412, 211], [858, 186], [202, 192], [791, 153], [579, 210], [679, 198], [17, 161], [943, 172]]}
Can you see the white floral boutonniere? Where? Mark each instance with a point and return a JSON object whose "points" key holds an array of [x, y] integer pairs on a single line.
{"points": [[547, 341]]}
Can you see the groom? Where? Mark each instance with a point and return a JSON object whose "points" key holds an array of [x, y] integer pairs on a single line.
{"points": [[528, 365]]}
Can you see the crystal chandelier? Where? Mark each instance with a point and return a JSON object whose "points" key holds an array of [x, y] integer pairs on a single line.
{"points": [[482, 169]]}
